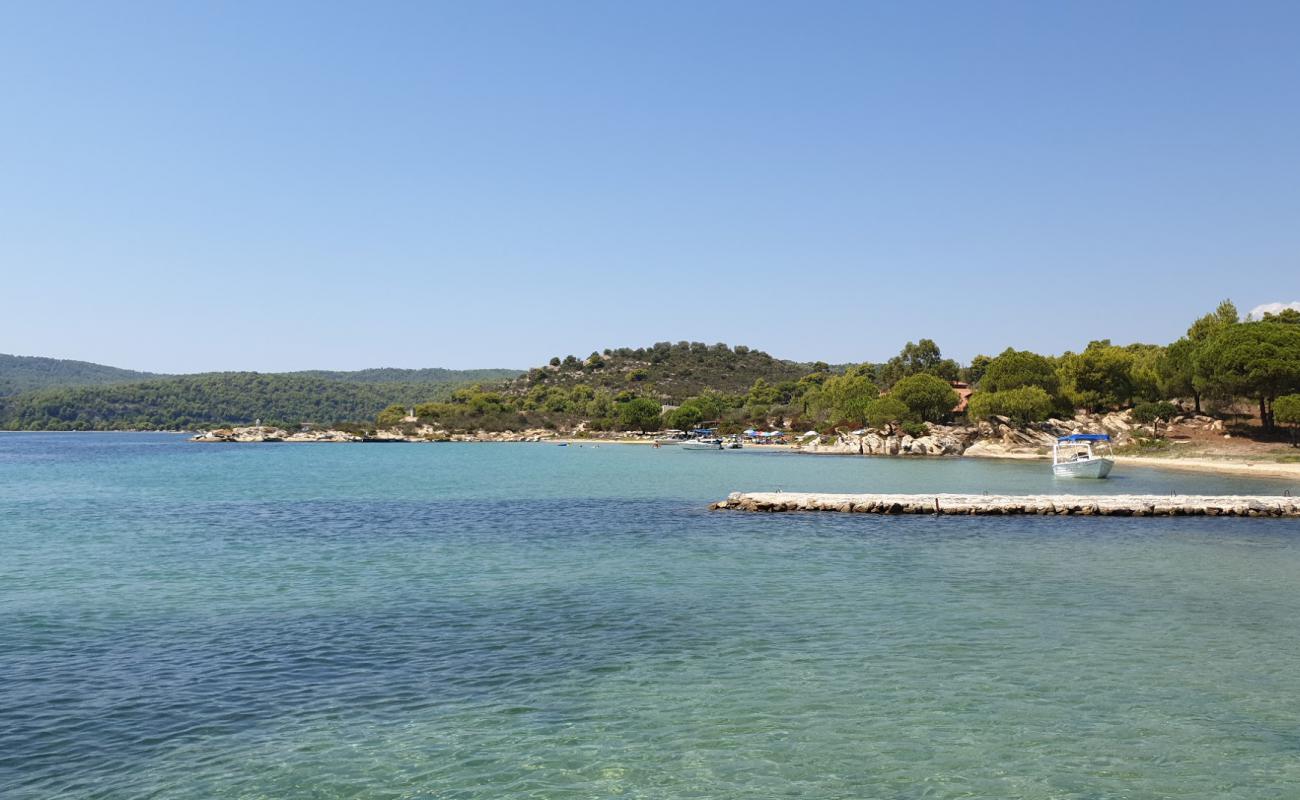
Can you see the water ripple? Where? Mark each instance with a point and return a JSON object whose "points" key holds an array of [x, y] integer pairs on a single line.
{"points": [[479, 646]]}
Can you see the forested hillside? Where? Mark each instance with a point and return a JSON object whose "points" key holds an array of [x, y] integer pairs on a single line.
{"points": [[669, 372], [211, 399], [54, 394], [1222, 362], [627, 389], [28, 373]]}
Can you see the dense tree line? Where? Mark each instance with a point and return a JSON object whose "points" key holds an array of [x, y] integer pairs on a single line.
{"points": [[1221, 358], [208, 400], [53, 394]]}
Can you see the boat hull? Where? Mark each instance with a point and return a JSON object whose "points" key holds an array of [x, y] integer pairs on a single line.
{"points": [[1091, 468], [701, 446]]}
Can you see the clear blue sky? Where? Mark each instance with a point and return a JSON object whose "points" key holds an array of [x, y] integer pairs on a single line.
{"points": [[273, 186]]}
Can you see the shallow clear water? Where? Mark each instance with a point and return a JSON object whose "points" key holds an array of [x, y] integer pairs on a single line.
{"points": [[465, 621]]}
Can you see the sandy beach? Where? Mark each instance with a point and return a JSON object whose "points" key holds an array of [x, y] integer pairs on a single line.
{"points": [[1263, 469], [1226, 465]]}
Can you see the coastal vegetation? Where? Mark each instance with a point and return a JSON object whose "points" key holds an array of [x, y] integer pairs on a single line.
{"points": [[1024, 404], [1260, 360], [1286, 410], [1220, 363], [212, 399], [1155, 413], [1222, 360], [928, 397]]}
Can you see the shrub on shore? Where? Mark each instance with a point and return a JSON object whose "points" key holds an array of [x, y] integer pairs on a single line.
{"points": [[930, 398], [1154, 413], [1286, 410], [884, 410], [1023, 405]]}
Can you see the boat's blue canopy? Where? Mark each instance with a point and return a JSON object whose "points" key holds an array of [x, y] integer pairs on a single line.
{"points": [[1085, 437]]}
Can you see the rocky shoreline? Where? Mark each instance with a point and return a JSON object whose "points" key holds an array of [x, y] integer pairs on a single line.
{"points": [[997, 437]]}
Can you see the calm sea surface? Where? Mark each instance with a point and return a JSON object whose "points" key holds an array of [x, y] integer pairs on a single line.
{"points": [[529, 621]]}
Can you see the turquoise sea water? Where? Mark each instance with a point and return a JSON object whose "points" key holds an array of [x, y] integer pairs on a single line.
{"points": [[474, 621]]}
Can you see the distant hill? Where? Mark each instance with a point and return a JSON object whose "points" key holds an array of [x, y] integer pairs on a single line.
{"points": [[222, 398], [62, 395], [666, 371], [52, 394], [28, 373]]}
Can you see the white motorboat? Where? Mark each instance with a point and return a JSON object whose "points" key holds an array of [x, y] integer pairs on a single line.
{"points": [[665, 441], [1082, 455], [702, 444]]}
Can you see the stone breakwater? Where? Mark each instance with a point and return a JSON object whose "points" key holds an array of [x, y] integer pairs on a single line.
{"points": [[1115, 505]]}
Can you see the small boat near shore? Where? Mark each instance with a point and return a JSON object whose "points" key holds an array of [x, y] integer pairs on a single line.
{"points": [[671, 438], [702, 444], [702, 439], [1075, 456]]}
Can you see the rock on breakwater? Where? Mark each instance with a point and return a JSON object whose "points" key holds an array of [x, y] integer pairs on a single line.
{"points": [[1116, 505]]}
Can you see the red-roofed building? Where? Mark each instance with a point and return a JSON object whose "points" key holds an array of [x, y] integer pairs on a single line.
{"points": [[963, 391]]}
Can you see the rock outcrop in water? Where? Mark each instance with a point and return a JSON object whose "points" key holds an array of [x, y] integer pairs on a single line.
{"points": [[422, 434], [263, 433]]}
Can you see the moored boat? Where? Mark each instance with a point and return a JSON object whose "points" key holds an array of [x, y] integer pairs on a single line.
{"points": [[1075, 456], [702, 444], [671, 437]]}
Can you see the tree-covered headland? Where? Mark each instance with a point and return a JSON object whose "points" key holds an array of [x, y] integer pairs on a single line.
{"points": [[1221, 362]]}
